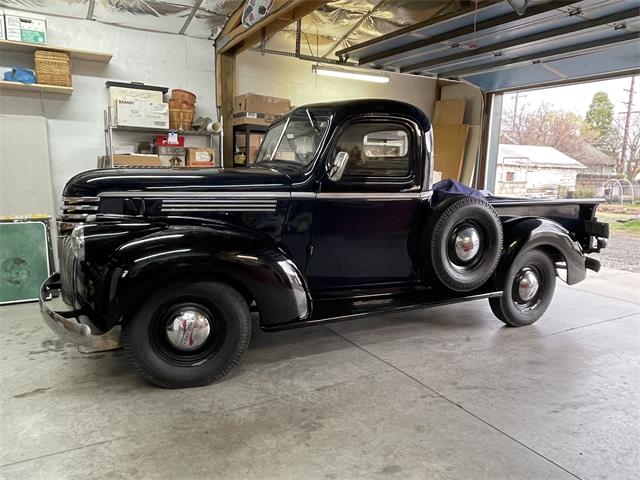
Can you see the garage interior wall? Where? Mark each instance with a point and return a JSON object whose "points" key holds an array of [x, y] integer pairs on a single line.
{"points": [[76, 123], [288, 77]]}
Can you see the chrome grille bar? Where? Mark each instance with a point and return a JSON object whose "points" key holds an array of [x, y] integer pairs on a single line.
{"points": [[75, 210], [220, 205]]}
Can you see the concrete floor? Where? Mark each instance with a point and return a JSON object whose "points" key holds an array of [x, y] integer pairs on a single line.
{"points": [[442, 393]]}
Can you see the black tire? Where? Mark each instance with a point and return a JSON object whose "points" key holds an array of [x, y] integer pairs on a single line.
{"points": [[511, 308], [463, 214], [151, 351]]}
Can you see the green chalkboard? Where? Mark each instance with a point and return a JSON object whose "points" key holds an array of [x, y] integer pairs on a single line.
{"points": [[24, 260]]}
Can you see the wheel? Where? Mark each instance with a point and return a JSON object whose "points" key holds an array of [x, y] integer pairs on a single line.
{"points": [[465, 243], [527, 290], [188, 335]]}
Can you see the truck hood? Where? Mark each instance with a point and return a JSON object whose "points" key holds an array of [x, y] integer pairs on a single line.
{"points": [[95, 182]]}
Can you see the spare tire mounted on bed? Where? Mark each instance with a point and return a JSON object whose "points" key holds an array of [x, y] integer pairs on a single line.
{"points": [[464, 241]]}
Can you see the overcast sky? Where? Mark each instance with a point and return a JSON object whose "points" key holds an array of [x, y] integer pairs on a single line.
{"points": [[576, 98]]}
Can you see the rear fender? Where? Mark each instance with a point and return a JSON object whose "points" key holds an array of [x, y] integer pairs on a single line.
{"points": [[254, 266], [536, 232]]}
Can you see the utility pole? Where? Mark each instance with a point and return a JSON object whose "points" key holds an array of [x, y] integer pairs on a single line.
{"points": [[515, 112], [627, 126]]}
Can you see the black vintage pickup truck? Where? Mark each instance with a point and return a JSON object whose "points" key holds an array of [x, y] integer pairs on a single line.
{"points": [[335, 220]]}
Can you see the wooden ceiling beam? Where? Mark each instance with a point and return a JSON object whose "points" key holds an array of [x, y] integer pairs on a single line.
{"points": [[236, 38]]}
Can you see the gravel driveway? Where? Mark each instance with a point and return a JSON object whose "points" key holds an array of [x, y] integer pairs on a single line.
{"points": [[623, 252]]}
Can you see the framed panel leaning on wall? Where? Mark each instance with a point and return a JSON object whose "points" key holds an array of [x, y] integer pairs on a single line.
{"points": [[26, 258]]}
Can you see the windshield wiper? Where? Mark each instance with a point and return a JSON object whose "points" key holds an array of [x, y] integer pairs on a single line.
{"points": [[313, 124]]}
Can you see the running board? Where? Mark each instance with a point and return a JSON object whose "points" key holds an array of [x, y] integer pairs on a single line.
{"points": [[392, 306]]}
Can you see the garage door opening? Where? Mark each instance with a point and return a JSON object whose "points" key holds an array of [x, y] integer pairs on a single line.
{"points": [[575, 141]]}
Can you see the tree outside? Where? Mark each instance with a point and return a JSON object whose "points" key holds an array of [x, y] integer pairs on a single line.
{"points": [[600, 125]]}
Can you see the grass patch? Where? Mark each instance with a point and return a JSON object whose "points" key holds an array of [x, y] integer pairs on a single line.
{"points": [[620, 222]]}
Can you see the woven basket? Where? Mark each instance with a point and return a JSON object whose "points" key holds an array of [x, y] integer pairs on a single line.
{"points": [[183, 95], [53, 68], [180, 104], [180, 119]]}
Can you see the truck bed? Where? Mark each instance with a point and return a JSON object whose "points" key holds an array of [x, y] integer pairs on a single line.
{"points": [[576, 215]]}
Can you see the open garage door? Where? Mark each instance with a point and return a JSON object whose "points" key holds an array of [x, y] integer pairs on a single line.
{"points": [[515, 44]]}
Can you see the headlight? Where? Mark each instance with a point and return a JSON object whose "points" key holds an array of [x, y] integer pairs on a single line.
{"points": [[76, 242]]}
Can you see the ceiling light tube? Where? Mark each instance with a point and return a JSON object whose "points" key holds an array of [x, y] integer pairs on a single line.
{"points": [[351, 75]]}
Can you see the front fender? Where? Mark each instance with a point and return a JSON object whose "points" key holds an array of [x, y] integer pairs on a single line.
{"points": [[252, 264], [535, 232]]}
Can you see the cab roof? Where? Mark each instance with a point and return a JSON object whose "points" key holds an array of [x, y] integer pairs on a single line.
{"points": [[350, 108]]}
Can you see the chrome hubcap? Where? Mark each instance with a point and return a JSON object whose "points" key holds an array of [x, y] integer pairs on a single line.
{"points": [[528, 285], [188, 330], [467, 243]]}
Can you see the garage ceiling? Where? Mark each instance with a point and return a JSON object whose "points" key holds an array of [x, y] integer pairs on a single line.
{"points": [[346, 22], [497, 48], [196, 18], [497, 45]]}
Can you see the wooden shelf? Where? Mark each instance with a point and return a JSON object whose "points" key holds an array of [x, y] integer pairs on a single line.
{"points": [[35, 87], [10, 46]]}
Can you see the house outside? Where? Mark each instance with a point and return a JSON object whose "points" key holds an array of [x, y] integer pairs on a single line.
{"points": [[534, 171], [596, 161]]}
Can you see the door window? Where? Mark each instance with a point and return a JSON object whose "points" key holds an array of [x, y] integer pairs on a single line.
{"points": [[375, 150]]}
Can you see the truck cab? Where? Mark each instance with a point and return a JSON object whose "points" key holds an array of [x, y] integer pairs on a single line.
{"points": [[336, 219]]}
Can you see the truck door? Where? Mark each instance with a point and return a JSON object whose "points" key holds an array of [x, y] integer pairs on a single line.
{"points": [[362, 220]]}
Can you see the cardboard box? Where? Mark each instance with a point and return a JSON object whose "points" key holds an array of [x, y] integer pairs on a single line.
{"points": [[203, 165], [138, 113], [201, 156], [251, 102], [172, 156], [136, 161], [255, 139], [153, 94], [25, 27], [252, 118], [124, 149], [252, 154]]}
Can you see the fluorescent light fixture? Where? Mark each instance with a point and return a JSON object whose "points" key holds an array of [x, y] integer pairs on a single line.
{"points": [[349, 74]]}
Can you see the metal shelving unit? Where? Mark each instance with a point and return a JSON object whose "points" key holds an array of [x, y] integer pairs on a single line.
{"points": [[246, 130], [110, 130]]}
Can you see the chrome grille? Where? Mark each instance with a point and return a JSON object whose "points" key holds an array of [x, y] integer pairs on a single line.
{"points": [[75, 210], [68, 265]]}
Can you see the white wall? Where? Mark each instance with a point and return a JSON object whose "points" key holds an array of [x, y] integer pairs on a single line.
{"points": [[288, 77], [75, 123]]}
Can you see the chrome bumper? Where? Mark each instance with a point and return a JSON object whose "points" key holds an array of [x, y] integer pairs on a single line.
{"points": [[67, 325]]}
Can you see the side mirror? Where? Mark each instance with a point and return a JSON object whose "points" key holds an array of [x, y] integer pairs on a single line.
{"points": [[339, 164]]}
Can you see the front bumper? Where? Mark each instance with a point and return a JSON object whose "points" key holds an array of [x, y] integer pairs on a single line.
{"points": [[67, 323]]}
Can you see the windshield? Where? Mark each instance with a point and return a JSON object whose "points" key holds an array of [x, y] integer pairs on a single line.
{"points": [[293, 142]]}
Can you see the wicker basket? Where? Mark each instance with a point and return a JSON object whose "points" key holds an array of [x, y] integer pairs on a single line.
{"points": [[180, 104], [53, 68], [180, 119], [183, 95]]}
